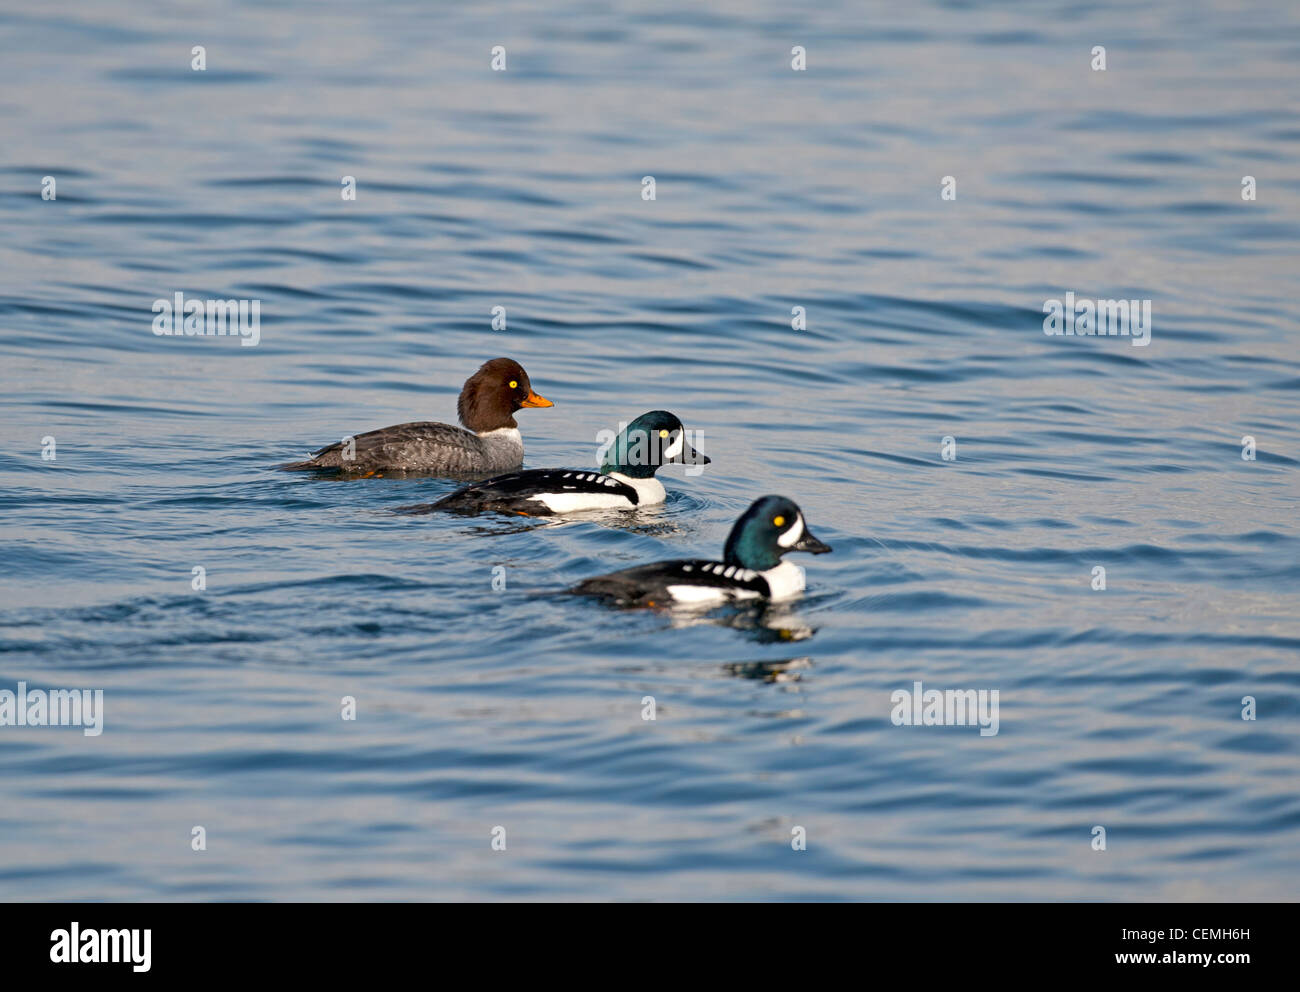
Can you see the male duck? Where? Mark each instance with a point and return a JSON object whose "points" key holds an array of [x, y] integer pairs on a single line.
{"points": [[626, 479], [751, 566]]}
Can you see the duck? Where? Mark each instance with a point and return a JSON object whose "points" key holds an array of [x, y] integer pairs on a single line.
{"points": [[626, 480], [751, 566], [489, 442]]}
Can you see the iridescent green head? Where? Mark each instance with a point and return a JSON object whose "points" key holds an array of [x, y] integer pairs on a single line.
{"points": [[653, 439]]}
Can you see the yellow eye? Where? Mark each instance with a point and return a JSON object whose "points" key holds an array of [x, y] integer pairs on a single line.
{"points": [[779, 521], [663, 433], [513, 384]]}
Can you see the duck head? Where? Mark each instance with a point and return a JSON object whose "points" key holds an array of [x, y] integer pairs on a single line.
{"points": [[491, 396], [653, 439], [771, 527]]}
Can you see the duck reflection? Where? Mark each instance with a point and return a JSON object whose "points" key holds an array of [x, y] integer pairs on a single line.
{"points": [[650, 522], [782, 670], [765, 623]]}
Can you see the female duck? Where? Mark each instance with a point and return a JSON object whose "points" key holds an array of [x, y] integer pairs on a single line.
{"points": [[491, 442], [751, 566], [626, 479]]}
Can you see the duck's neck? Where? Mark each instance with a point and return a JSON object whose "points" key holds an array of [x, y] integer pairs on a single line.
{"points": [[743, 550], [615, 467], [505, 433], [504, 446], [481, 425]]}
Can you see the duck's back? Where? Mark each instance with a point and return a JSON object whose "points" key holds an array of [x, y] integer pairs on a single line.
{"points": [[423, 446], [681, 581]]}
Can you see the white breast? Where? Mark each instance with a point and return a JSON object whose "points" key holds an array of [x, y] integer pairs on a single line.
{"points": [[650, 491], [785, 581]]}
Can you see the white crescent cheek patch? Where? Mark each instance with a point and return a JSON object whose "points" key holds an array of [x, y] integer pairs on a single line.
{"points": [[791, 537], [675, 449]]}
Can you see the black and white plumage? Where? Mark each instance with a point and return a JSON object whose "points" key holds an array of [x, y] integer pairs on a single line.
{"points": [[540, 492], [752, 567], [687, 580], [626, 480]]}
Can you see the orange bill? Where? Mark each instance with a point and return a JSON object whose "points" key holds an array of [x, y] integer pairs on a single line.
{"points": [[535, 400]]}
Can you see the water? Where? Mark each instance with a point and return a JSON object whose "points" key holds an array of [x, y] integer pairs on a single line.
{"points": [[774, 189]]}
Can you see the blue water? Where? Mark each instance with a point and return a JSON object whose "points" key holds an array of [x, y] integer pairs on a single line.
{"points": [[480, 708]]}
